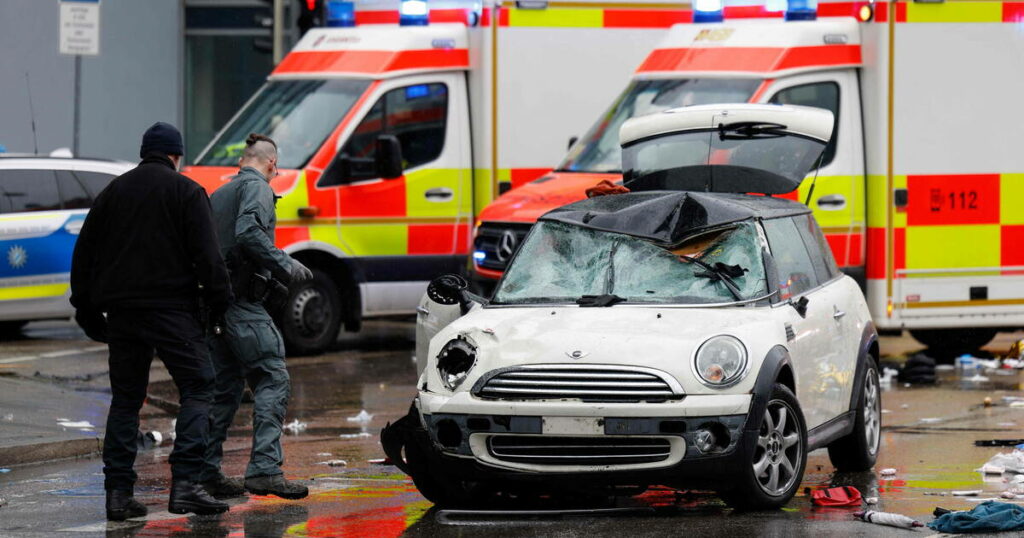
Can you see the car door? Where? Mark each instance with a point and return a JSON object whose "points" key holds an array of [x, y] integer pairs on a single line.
{"points": [[812, 338]]}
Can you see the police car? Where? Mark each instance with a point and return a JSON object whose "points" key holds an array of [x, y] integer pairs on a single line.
{"points": [[43, 203], [686, 334]]}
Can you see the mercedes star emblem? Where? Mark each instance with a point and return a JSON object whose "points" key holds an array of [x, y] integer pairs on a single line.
{"points": [[506, 245]]}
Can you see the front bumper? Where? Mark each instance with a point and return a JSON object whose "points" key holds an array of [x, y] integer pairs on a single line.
{"points": [[463, 444]]}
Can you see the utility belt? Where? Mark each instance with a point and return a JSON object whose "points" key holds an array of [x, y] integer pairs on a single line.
{"points": [[250, 284]]}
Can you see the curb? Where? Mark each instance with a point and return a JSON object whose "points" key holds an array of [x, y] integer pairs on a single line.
{"points": [[49, 451]]}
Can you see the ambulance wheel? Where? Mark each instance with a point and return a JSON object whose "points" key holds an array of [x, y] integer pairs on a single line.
{"points": [[311, 318], [954, 340]]}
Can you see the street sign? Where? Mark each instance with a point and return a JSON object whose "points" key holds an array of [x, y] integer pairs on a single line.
{"points": [[80, 27]]}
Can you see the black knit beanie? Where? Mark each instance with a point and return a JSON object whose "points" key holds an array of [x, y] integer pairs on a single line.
{"points": [[163, 138]]}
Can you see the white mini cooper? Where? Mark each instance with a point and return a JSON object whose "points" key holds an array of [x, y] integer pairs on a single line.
{"points": [[683, 334]]}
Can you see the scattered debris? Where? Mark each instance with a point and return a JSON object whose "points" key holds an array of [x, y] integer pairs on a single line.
{"points": [[324, 454], [295, 427], [1006, 424], [362, 417], [977, 378], [918, 370], [991, 469], [335, 463], [886, 518], [842, 496], [989, 516], [1012, 461], [3, 502], [931, 420], [148, 440], [379, 461], [4, 470], [987, 402], [967, 493], [886, 411], [870, 500], [905, 406], [355, 435], [998, 442], [887, 472], [82, 424], [936, 493]]}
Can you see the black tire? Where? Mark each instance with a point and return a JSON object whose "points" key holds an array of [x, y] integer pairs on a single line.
{"points": [[749, 492], [11, 329], [311, 317], [859, 450], [954, 340]]}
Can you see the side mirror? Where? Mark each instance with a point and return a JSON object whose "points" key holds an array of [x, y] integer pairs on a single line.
{"points": [[452, 289], [801, 306], [389, 157]]}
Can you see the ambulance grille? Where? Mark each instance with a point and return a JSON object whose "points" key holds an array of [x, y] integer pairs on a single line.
{"points": [[589, 384], [498, 242], [552, 450]]}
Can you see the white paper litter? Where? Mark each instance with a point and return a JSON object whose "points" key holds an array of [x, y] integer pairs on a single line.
{"points": [[888, 472], [295, 426], [905, 406], [82, 424], [931, 420], [988, 468], [335, 463], [363, 417], [967, 493], [323, 454], [871, 500], [1011, 461], [354, 435], [977, 378]]}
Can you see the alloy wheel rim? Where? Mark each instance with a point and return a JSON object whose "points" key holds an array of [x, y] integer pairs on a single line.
{"points": [[779, 449], [872, 412]]}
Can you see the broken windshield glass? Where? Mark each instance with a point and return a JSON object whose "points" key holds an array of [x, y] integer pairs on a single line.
{"points": [[562, 263]]}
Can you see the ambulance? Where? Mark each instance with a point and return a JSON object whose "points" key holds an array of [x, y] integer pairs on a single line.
{"points": [[920, 190], [396, 127]]}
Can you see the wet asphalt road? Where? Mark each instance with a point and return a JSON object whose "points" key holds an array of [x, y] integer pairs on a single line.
{"points": [[928, 436]]}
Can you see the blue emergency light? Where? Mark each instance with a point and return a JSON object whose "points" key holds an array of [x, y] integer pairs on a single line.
{"points": [[413, 13], [479, 255], [801, 10], [341, 13], [708, 11]]}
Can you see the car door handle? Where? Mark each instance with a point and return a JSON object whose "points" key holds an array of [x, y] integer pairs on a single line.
{"points": [[832, 202], [439, 194], [838, 314], [422, 310]]}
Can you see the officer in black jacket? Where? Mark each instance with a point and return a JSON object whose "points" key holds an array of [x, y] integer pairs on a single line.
{"points": [[148, 257]]}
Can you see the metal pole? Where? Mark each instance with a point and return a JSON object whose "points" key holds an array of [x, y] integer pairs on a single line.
{"points": [[78, 103], [278, 31]]}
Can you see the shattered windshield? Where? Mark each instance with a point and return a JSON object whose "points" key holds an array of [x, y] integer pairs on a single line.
{"points": [[562, 263], [599, 151], [297, 114]]}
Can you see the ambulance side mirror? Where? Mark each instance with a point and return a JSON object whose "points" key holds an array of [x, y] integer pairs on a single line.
{"points": [[389, 157]]}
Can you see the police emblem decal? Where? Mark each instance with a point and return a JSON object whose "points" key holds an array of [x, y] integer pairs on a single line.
{"points": [[17, 257]]}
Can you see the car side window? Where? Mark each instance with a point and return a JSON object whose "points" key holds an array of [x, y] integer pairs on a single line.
{"points": [[72, 193], [94, 182], [28, 190], [821, 95], [416, 114], [807, 228], [795, 270]]}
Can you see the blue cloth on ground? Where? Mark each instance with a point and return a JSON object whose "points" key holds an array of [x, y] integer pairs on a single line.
{"points": [[989, 516]]}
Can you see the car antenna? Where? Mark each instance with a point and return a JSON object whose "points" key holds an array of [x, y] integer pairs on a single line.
{"points": [[32, 114], [814, 180], [709, 185]]}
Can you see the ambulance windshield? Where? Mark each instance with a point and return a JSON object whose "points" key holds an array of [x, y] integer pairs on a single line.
{"points": [[599, 151], [297, 114]]}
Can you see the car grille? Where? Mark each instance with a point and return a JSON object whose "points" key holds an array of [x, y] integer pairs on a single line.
{"points": [[552, 450], [498, 249], [599, 384]]}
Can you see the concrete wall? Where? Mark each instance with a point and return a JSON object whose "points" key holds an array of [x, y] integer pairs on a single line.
{"points": [[135, 81]]}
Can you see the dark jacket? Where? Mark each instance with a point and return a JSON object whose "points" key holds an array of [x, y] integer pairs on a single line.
{"points": [[149, 242], [244, 214]]}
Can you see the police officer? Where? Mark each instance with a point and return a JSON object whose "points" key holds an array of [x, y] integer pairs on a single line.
{"points": [[251, 347], [147, 256]]}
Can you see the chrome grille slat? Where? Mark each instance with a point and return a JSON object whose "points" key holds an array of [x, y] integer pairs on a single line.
{"points": [[586, 382], [557, 450]]}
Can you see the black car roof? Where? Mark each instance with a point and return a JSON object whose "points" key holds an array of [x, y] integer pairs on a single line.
{"points": [[668, 217]]}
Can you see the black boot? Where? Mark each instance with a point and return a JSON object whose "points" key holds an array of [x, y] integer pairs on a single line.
{"points": [[223, 487], [121, 505], [187, 496], [276, 485]]}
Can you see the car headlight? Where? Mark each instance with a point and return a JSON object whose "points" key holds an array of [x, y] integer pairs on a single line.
{"points": [[455, 361], [721, 361]]}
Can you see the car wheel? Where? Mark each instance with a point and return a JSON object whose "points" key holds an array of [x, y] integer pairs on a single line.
{"points": [[954, 340], [859, 450], [776, 465], [311, 318]]}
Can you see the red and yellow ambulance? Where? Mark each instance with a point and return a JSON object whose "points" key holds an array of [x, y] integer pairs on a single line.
{"points": [[919, 192], [477, 96]]}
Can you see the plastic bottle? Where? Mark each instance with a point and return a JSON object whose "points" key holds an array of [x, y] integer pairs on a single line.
{"points": [[886, 518]]}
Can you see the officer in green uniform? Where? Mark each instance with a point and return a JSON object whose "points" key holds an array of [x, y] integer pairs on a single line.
{"points": [[250, 347]]}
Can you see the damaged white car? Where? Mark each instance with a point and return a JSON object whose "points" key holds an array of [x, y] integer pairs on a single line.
{"points": [[684, 334]]}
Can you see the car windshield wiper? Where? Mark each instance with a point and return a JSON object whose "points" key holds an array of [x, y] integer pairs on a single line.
{"points": [[723, 273], [745, 130], [606, 299]]}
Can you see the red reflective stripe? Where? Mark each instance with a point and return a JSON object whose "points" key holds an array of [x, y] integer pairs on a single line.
{"points": [[750, 12], [288, 235], [846, 248], [388, 199], [520, 176], [876, 253], [750, 59], [644, 18], [901, 12], [1011, 238], [952, 199], [449, 15], [1013, 11], [502, 16], [377, 17], [437, 238], [485, 16], [881, 10], [370, 61], [899, 249]]}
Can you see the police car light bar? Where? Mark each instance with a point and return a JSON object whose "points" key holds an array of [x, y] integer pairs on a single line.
{"points": [[801, 10], [341, 13], [708, 11], [413, 13]]}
